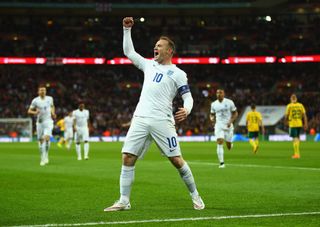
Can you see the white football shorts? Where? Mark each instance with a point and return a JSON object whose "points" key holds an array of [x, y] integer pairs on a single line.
{"points": [[44, 129], [68, 133], [82, 134], [143, 130], [223, 133]]}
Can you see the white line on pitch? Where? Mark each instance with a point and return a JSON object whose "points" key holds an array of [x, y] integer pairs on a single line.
{"points": [[177, 219], [260, 166]]}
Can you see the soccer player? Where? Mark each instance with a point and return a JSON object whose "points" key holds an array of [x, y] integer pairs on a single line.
{"points": [[153, 118], [43, 107], [253, 122], [68, 132], [81, 119], [223, 113], [295, 114], [61, 128]]}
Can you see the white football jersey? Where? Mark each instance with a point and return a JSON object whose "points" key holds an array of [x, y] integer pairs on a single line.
{"points": [[44, 106], [68, 122], [161, 84], [81, 117], [223, 111]]}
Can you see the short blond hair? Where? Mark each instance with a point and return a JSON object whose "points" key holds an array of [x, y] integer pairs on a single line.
{"points": [[170, 43]]}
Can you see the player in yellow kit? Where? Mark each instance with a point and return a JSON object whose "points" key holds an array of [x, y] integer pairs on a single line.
{"points": [[253, 122], [296, 118], [60, 125]]}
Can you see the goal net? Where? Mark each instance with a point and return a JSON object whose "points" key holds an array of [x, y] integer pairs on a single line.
{"points": [[15, 129]]}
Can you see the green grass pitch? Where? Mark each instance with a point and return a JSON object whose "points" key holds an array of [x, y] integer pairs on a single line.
{"points": [[68, 191]]}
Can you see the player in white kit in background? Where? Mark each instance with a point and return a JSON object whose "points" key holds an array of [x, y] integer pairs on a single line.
{"points": [[81, 129], [68, 130], [223, 113], [43, 107], [153, 118]]}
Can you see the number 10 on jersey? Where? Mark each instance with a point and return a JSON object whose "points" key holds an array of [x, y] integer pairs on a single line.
{"points": [[157, 78]]}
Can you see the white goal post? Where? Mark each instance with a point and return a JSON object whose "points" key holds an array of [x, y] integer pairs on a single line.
{"points": [[16, 130]]}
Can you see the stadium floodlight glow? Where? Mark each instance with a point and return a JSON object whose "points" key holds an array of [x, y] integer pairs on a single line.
{"points": [[300, 58], [249, 60], [83, 61], [268, 18], [142, 19], [22, 60]]}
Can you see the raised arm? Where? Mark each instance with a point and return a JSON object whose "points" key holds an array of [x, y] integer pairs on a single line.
{"points": [[128, 48]]}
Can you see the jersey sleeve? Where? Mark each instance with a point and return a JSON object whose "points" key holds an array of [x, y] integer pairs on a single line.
{"points": [[287, 109], [51, 101], [130, 52], [33, 104], [182, 84], [212, 110], [232, 106], [247, 117]]}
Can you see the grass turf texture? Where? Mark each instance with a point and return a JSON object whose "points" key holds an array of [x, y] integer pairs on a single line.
{"points": [[71, 191]]}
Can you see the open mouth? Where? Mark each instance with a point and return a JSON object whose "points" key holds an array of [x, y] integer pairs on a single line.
{"points": [[156, 53]]}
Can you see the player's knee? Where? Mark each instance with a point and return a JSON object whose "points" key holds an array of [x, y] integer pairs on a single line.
{"points": [[220, 141], [128, 159], [177, 161]]}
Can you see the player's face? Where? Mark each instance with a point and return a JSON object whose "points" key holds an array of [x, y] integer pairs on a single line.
{"points": [[81, 106], [293, 98], [220, 94], [42, 91], [162, 51]]}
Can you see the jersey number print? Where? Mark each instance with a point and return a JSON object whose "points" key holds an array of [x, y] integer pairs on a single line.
{"points": [[157, 78]]}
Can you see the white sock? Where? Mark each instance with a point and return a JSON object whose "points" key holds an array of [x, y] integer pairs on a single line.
{"points": [[126, 180], [78, 150], [220, 153], [47, 148], [69, 144], [86, 149], [40, 147], [43, 151], [187, 177]]}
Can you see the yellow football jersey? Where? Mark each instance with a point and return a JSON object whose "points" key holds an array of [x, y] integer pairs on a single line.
{"points": [[295, 112], [60, 124], [253, 119]]}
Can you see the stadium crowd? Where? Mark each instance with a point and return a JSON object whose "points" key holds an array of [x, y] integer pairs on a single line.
{"points": [[276, 35], [112, 92]]}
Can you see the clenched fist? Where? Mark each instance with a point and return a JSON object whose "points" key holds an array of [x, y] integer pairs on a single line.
{"points": [[127, 22]]}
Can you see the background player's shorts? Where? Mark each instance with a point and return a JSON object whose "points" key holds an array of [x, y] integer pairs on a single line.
{"points": [[223, 133], [44, 129], [253, 135], [82, 134], [294, 132], [68, 134], [143, 130]]}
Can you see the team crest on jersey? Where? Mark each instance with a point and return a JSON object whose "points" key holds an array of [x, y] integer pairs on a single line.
{"points": [[170, 73]]}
